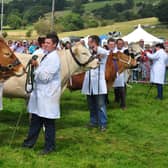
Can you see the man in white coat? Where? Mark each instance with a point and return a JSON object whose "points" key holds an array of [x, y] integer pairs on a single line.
{"points": [[119, 83], [44, 102], [158, 68], [94, 86]]}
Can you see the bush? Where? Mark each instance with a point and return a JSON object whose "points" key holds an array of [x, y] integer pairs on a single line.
{"points": [[72, 22], [161, 11], [4, 34], [29, 33], [14, 21], [42, 27], [103, 23], [92, 23]]}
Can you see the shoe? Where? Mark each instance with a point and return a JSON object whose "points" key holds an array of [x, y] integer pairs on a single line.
{"points": [[102, 128], [158, 98], [91, 125], [26, 145], [46, 151], [116, 101], [123, 108]]}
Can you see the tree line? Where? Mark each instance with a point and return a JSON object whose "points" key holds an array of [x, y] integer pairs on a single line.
{"points": [[20, 13]]}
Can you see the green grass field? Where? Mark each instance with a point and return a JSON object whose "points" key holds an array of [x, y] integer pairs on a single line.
{"points": [[135, 138]]}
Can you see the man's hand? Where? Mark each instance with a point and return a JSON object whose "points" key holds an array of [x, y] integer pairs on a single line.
{"points": [[94, 49], [99, 56], [34, 63]]}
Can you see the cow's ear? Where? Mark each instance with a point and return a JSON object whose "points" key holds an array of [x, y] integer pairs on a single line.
{"points": [[114, 55]]}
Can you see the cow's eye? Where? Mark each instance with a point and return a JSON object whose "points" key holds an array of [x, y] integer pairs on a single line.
{"points": [[83, 53], [7, 54], [10, 66]]}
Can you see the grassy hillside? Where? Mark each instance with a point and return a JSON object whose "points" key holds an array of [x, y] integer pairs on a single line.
{"points": [[135, 138], [96, 5], [124, 27]]}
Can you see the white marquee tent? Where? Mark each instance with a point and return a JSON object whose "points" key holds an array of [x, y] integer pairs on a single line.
{"points": [[139, 34]]}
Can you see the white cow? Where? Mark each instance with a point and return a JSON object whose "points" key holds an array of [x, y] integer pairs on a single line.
{"points": [[15, 87]]}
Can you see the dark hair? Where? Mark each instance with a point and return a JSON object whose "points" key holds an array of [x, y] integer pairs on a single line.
{"points": [[54, 37], [110, 40], [41, 40], [119, 40], [105, 46], [160, 45], [95, 38]]}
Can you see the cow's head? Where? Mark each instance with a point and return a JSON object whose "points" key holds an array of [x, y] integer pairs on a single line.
{"points": [[124, 61], [117, 63], [135, 50], [9, 63], [83, 57]]}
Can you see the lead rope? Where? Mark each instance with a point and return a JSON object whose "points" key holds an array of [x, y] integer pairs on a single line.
{"points": [[90, 82], [30, 75], [29, 78], [69, 72], [99, 79]]}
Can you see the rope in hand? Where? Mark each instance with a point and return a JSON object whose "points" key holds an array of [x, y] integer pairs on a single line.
{"points": [[30, 75]]}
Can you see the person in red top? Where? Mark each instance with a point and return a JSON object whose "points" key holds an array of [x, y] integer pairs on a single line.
{"points": [[145, 63]]}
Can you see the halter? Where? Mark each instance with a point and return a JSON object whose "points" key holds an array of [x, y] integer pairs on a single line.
{"points": [[78, 62], [126, 62], [10, 66], [123, 61], [115, 65]]}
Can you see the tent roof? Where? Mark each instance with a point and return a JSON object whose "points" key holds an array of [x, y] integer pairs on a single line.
{"points": [[139, 34]]}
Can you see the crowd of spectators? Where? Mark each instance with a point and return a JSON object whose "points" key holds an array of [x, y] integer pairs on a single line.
{"points": [[142, 73], [23, 46]]}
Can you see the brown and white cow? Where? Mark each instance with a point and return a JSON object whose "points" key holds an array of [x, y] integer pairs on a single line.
{"points": [[10, 65], [116, 63], [70, 60]]}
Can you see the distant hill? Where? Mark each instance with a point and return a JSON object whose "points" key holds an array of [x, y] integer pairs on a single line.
{"points": [[123, 27], [73, 16]]}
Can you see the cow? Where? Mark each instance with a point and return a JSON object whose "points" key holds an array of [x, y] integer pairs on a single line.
{"points": [[135, 50], [78, 58], [116, 63], [10, 65]]}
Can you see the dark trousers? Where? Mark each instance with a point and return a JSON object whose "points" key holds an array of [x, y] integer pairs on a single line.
{"points": [[35, 126], [120, 96], [159, 91], [97, 108]]}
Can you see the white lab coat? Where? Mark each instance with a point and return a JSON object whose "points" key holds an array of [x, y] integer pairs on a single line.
{"points": [[45, 98], [120, 80], [39, 51], [158, 66], [94, 81]]}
